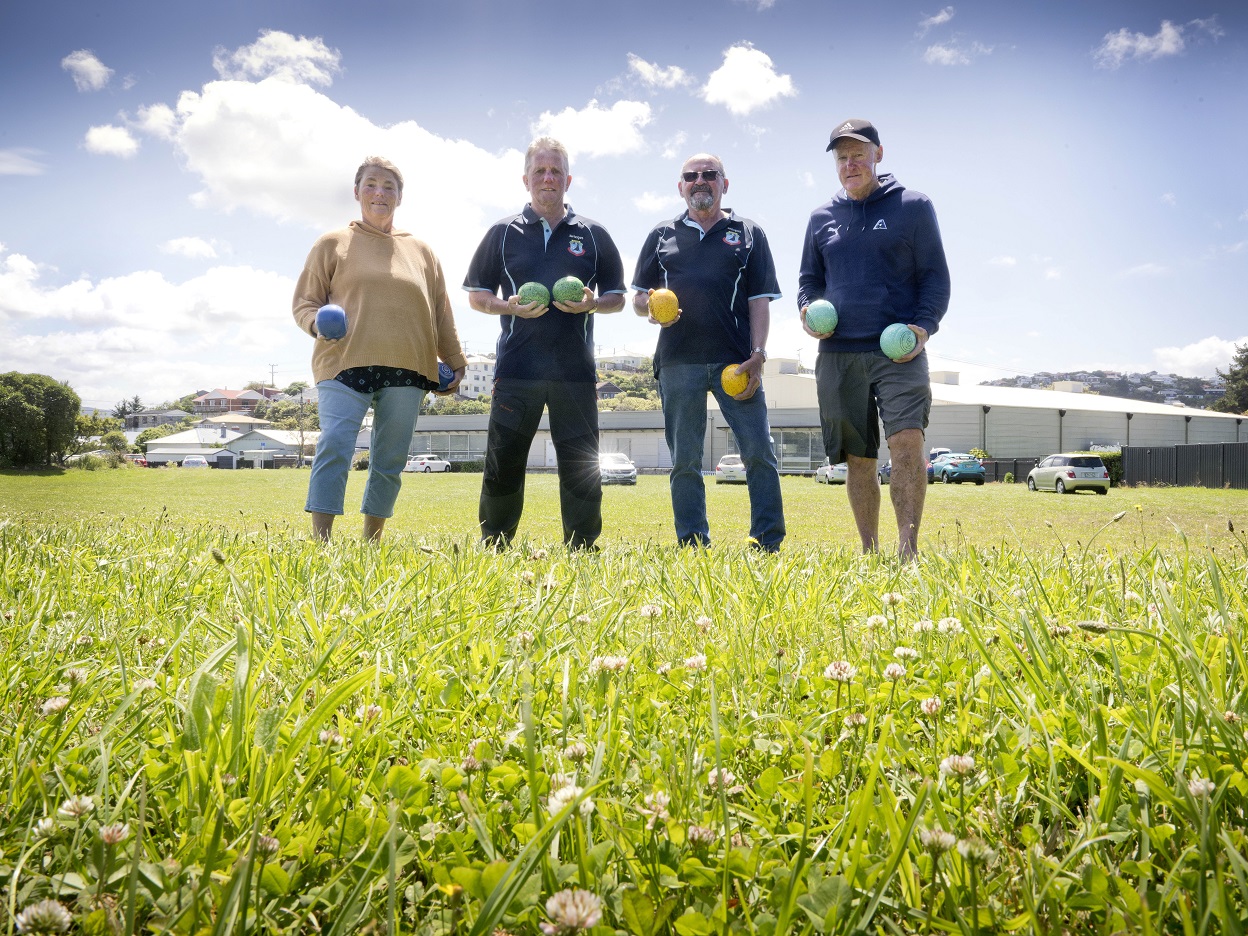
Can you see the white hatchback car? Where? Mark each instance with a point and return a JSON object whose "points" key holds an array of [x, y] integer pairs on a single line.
{"points": [[194, 461], [616, 468], [827, 473], [730, 470], [1069, 472], [427, 463]]}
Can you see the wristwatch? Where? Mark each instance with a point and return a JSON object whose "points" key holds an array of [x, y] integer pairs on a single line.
{"points": [[763, 352]]}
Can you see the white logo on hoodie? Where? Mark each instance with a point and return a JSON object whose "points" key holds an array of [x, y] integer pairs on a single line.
{"points": [[880, 225]]}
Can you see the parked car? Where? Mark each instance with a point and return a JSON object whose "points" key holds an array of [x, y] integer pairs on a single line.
{"points": [[617, 468], [730, 470], [885, 471], [956, 467], [427, 463], [827, 473], [138, 460], [194, 461], [1069, 472]]}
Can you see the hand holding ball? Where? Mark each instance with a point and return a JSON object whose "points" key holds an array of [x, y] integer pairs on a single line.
{"points": [[664, 306], [331, 321], [733, 382], [821, 317], [569, 289], [445, 375], [534, 292], [897, 341]]}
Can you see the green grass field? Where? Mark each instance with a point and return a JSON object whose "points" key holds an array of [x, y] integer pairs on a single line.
{"points": [[213, 724]]}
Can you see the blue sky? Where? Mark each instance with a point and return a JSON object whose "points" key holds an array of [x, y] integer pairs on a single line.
{"points": [[165, 166]]}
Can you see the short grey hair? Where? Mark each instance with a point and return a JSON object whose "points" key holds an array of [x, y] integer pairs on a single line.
{"points": [[545, 144], [711, 156], [379, 162]]}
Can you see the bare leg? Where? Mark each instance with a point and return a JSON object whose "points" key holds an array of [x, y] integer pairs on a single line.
{"points": [[322, 525], [863, 487], [373, 527], [908, 487]]}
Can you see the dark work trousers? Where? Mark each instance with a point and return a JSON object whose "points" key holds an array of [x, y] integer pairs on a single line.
{"points": [[515, 411]]}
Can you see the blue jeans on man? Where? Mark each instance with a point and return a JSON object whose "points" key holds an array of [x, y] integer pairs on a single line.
{"points": [[683, 389]]}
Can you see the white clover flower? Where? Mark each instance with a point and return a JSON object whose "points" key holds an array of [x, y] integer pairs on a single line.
{"points": [[650, 611], [54, 706], [538, 554], [1131, 596], [931, 706], [874, 621], [701, 836], [923, 626], [975, 851], [76, 675], [332, 738], [47, 916], [115, 833], [655, 806], [663, 669], [1060, 630], [892, 599], [984, 672], [571, 910], [561, 797], [76, 807], [894, 671], [525, 639], [46, 827], [1231, 718], [610, 664], [957, 765], [528, 577], [267, 846], [368, 713], [840, 670], [855, 720], [937, 840], [145, 684], [584, 619], [576, 751], [1020, 594], [950, 626], [551, 581], [696, 663], [906, 653], [1200, 787], [720, 778], [703, 624], [469, 764]]}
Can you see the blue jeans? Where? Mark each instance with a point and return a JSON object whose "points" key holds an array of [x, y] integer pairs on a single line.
{"points": [[683, 388], [342, 412]]}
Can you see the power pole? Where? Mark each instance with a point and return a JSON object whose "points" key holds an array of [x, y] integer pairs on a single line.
{"points": [[272, 375]]}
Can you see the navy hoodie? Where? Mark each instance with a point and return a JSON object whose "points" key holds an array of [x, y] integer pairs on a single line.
{"points": [[879, 261]]}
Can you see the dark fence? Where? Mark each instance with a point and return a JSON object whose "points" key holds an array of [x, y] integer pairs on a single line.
{"points": [[1211, 465], [995, 469]]}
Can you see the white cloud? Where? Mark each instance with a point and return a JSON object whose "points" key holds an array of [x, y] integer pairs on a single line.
{"points": [[954, 53], [193, 247], [672, 150], [1198, 359], [280, 55], [1169, 198], [746, 81], [1052, 273], [1119, 46], [21, 160], [216, 329], [652, 203], [595, 130], [158, 120], [88, 72], [109, 140], [939, 19], [807, 179], [1003, 261], [1145, 269], [1244, 216], [656, 76]]}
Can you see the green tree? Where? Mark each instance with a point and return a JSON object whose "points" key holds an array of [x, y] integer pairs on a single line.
{"points": [[295, 387], [449, 406], [157, 432], [115, 442], [1235, 380], [87, 428], [126, 407], [38, 420]]}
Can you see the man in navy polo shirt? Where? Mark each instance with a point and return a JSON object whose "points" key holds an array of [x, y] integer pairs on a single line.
{"points": [[545, 353], [720, 267]]}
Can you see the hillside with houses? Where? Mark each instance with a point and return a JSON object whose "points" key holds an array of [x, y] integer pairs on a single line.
{"points": [[1199, 392]]}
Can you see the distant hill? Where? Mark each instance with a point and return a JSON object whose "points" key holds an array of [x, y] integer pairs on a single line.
{"points": [[1199, 392]]}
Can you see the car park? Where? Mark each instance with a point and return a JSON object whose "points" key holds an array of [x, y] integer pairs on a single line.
{"points": [[616, 468], [1068, 472], [427, 463], [730, 470], [194, 461], [956, 467], [827, 473], [136, 460]]}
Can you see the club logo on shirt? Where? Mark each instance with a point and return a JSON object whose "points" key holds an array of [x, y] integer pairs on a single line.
{"points": [[880, 225], [732, 238], [576, 247]]}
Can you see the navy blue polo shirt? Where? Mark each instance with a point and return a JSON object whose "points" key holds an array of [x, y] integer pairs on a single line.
{"points": [[714, 276], [522, 249]]}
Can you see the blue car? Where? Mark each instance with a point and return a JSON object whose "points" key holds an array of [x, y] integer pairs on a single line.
{"points": [[956, 467]]}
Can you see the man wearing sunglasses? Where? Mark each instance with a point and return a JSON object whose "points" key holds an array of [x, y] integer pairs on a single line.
{"points": [[721, 269], [874, 251]]}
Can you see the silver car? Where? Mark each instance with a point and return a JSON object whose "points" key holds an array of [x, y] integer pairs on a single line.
{"points": [[730, 470], [616, 468], [827, 473], [1069, 472]]}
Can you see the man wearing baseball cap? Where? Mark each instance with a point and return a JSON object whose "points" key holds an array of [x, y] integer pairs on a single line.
{"points": [[874, 252]]}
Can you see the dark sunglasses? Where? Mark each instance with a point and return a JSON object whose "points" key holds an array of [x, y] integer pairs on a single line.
{"points": [[707, 175]]}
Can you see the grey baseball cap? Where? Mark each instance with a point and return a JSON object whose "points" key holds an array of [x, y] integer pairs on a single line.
{"points": [[855, 129]]}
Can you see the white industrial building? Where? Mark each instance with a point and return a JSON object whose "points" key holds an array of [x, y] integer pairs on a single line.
{"points": [[1007, 422]]}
